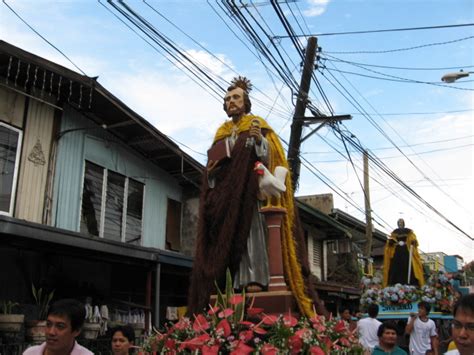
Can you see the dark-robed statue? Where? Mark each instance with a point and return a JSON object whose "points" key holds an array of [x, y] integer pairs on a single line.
{"points": [[231, 232], [402, 262]]}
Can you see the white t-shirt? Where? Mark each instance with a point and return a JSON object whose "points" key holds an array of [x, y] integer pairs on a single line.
{"points": [[420, 337], [452, 352], [367, 329]]}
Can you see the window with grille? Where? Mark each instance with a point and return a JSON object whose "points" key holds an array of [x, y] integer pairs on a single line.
{"points": [[10, 147], [112, 205]]}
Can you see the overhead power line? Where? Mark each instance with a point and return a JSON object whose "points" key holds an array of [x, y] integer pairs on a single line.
{"points": [[379, 31], [333, 58], [403, 49], [390, 173], [44, 38]]}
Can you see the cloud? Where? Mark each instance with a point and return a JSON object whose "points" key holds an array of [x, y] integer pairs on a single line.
{"points": [[450, 170], [316, 7]]}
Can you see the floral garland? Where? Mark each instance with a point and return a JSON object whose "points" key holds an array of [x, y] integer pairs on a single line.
{"points": [[233, 326], [438, 291]]}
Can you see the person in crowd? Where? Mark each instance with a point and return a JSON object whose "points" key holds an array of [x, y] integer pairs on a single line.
{"points": [[346, 316], [463, 326], [422, 331], [63, 325], [367, 329], [387, 335], [123, 340]]}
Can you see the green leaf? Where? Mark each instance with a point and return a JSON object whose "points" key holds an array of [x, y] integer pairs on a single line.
{"points": [[220, 297], [229, 289]]}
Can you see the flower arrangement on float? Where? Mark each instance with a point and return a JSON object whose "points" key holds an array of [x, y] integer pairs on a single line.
{"points": [[234, 326], [438, 291]]}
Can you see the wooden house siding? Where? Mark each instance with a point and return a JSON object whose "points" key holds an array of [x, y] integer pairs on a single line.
{"points": [[12, 106], [97, 146], [37, 140]]}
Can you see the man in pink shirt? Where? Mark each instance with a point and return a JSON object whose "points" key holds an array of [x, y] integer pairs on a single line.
{"points": [[63, 325]]}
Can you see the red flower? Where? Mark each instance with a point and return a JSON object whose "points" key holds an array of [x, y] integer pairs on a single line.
{"points": [[328, 343], [236, 299], [210, 350], [241, 349], [344, 342], [246, 323], [225, 326], [340, 327], [226, 313], [170, 343], [200, 323], [213, 310], [254, 311], [269, 349], [290, 321], [316, 350], [296, 343], [182, 324], [259, 330], [269, 319], [195, 343], [246, 335]]}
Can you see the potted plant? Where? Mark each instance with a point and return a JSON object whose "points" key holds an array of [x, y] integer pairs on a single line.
{"points": [[10, 323], [35, 329]]}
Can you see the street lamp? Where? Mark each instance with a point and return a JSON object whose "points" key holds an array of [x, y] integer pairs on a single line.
{"points": [[452, 77]]}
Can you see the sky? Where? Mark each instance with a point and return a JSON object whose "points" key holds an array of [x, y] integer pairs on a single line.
{"points": [[420, 128]]}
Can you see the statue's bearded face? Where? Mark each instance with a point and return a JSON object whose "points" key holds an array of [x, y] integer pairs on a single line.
{"points": [[234, 102], [401, 223]]}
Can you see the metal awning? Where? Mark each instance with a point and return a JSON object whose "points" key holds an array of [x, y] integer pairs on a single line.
{"points": [[26, 234]]}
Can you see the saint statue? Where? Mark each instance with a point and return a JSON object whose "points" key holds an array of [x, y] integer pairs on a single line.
{"points": [[402, 262], [231, 231]]}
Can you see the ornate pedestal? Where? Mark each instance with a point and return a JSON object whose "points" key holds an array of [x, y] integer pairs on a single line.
{"points": [[273, 218], [278, 299]]}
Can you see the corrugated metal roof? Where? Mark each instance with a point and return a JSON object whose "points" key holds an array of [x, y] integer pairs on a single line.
{"points": [[54, 84]]}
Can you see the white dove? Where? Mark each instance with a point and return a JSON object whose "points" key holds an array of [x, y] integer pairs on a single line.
{"points": [[271, 185]]}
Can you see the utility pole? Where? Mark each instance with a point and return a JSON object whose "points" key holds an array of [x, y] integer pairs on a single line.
{"points": [[297, 125], [299, 120], [368, 212]]}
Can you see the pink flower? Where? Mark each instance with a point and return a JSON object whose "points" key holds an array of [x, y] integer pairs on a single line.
{"points": [[316, 350], [269, 349], [200, 323], [226, 313], [242, 349], [225, 326], [236, 299]]}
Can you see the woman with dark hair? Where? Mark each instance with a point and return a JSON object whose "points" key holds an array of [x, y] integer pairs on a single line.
{"points": [[123, 339]]}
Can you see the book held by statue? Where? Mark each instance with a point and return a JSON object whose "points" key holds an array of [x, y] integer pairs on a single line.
{"points": [[219, 151]]}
